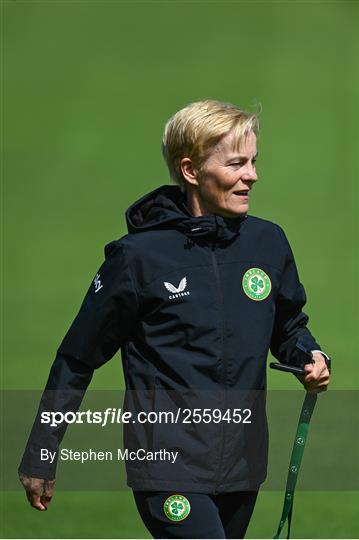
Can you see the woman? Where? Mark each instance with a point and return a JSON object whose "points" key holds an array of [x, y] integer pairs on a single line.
{"points": [[195, 295]]}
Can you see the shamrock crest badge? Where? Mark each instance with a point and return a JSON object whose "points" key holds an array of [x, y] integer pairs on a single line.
{"points": [[177, 507], [256, 284]]}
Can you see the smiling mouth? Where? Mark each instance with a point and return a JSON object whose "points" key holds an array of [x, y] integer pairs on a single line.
{"points": [[242, 193]]}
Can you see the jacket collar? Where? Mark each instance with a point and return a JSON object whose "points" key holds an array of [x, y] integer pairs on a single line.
{"points": [[165, 208]]}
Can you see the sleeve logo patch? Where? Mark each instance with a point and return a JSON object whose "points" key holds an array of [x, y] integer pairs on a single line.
{"points": [[97, 283], [177, 507], [256, 284]]}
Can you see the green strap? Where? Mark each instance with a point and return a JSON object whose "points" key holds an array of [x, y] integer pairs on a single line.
{"points": [[295, 460]]}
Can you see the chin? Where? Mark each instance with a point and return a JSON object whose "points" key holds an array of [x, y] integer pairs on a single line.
{"points": [[236, 212]]}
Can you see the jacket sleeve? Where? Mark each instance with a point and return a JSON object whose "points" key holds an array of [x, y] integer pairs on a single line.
{"points": [[290, 324], [102, 325]]}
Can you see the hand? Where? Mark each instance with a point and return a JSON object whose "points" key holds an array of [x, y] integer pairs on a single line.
{"points": [[38, 491], [316, 378]]}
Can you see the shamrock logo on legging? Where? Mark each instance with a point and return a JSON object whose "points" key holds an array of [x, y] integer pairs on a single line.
{"points": [[256, 284], [176, 507]]}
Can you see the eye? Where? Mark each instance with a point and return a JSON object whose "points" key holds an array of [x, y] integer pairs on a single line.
{"points": [[254, 161]]}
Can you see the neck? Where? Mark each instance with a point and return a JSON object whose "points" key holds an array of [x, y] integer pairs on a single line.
{"points": [[195, 206]]}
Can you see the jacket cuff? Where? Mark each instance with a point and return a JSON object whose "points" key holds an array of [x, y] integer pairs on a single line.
{"points": [[323, 353], [32, 465]]}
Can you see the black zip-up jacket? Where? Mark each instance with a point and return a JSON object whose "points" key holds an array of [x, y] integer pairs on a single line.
{"points": [[194, 304]]}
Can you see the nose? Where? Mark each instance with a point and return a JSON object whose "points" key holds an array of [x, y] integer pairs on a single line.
{"points": [[250, 173]]}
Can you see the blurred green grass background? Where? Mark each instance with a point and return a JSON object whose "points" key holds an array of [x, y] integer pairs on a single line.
{"points": [[88, 86]]}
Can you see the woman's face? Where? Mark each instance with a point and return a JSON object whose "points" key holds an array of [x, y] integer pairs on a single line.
{"points": [[223, 184]]}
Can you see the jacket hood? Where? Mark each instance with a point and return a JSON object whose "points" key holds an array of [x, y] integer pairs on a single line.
{"points": [[165, 208]]}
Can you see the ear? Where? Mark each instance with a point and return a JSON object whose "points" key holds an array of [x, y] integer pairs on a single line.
{"points": [[190, 174]]}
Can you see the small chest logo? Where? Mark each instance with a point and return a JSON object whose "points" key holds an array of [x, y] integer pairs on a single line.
{"points": [[177, 507], [97, 283], [256, 284], [177, 291]]}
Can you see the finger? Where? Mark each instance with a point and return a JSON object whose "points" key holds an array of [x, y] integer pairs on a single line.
{"points": [[319, 376], [308, 368], [35, 500], [309, 378], [316, 387], [312, 384], [322, 381], [47, 494], [45, 500], [323, 371], [34, 488]]}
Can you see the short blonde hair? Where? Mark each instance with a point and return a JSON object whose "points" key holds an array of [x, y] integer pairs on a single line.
{"points": [[196, 129]]}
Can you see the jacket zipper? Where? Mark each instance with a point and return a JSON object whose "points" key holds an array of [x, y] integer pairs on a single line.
{"points": [[219, 286]]}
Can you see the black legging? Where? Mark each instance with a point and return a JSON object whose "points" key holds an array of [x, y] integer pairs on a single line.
{"points": [[225, 515]]}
